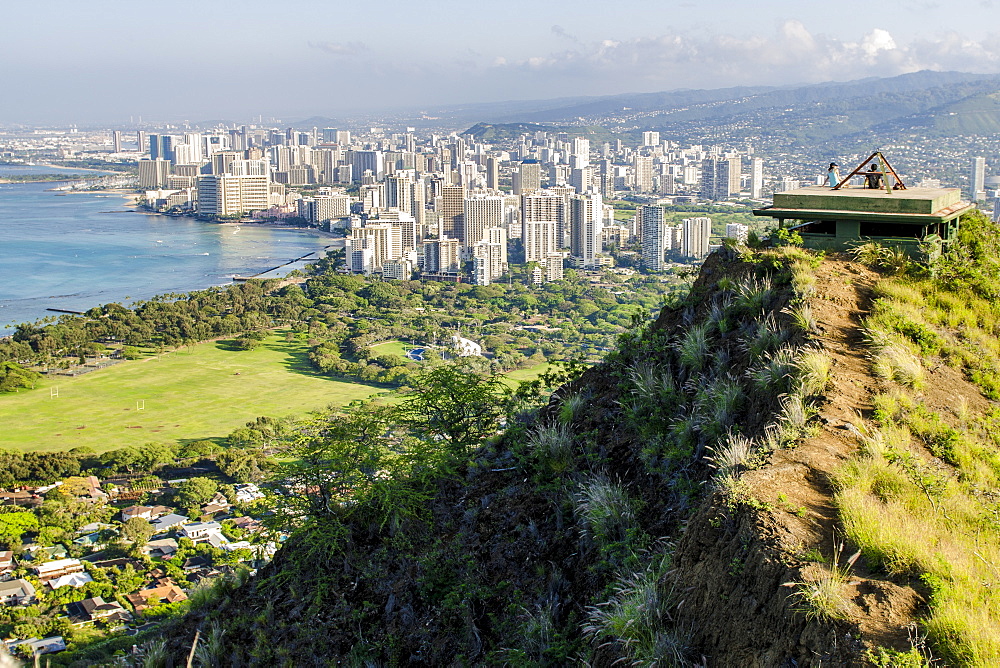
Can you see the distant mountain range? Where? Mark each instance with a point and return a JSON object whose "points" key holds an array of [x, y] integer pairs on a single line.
{"points": [[933, 104]]}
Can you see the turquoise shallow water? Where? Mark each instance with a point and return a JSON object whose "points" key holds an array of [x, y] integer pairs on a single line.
{"points": [[79, 250]]}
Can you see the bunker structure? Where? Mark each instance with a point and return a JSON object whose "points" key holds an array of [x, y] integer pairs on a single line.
{"points": [[916, 220]]}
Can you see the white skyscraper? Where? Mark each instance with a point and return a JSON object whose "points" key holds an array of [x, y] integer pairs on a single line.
{"points": [[653, 223], [482, 212], [586, 221], [737, 231], [977, 179], [696, 233], [756, 178], [490, 256]]}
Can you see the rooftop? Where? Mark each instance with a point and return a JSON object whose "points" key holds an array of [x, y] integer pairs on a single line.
{"points": [[911, 200], [919, 205]]}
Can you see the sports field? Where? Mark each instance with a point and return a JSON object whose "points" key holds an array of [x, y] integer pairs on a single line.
{"points": [[204, 391]]}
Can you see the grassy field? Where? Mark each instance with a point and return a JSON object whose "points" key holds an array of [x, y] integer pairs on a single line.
{"points": [[204, 391], [393, 348]]}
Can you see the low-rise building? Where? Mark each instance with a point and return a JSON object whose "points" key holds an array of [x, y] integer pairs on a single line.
{"points": [[55, 569], [146, 598], [17, 592]]}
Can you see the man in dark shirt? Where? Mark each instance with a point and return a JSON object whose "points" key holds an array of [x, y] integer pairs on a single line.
{"points": [[873, 177]]}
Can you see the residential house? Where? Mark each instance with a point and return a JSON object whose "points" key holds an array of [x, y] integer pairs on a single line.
{"points": [[58, 568], [75, 580], [162, 548], [247, 492], [146, 598], [89, 610], [6, 562], [34, 646], [168, 522], [17, 592], [200, 531], [145, 512]]}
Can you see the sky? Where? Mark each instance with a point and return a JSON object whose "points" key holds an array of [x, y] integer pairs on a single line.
{"points": [[109, 61]]}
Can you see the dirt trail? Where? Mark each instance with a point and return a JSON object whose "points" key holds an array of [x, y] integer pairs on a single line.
{"points": [[798, 478], [736, 567]]}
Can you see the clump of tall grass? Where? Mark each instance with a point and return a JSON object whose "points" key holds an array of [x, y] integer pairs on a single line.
{"points": [[823, 597], [803, 279], [764, 337], [211, 647], [890, 258], [802, 317], [732, 456], [694, 347], [716, 404], [775, 375], [894, 358], [571, 408], [813, 367], [637, 617], [552, 447], [753, 295], [604, 510]]}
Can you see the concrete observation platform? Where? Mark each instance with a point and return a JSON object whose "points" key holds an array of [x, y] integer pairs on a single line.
{"points": [[837, 219]]}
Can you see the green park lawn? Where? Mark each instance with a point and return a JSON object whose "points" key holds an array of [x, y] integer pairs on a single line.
{"points": [[393, 348], [203, 391]]}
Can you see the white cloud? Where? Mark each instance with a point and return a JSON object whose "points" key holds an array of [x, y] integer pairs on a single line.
{"points": [[340, 49], [792, 55]]}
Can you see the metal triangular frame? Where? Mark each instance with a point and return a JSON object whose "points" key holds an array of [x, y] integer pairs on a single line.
{"points": [[886, 170]]}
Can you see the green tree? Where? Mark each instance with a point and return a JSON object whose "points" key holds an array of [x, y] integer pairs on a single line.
{"points": [[244, 465], [456, 405], [196, 492], [137, 530], [14, 377], [14, 524]]}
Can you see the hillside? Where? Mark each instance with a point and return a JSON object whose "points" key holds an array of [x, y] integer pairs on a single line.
{"points": [[697, 499]]}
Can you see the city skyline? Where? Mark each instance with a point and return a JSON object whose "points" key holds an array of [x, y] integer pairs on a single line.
{"points": [[110, 61]]}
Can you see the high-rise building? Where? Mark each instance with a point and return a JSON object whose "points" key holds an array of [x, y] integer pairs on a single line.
{"points": [[372, 161], [153, 173], [244, 190], [582, 179], [643, 173], [382, 241], [452, 210], [654, 236], [481, 212], [735, 173], [492, 173], [650, 138], [756, 178], [489, 256], [539, 239], [737, 231], [116, 141], [528, 177], [586, 220], [442, 256], [977, 179], [541, 211], [715, 178], [161, 147], [696, 233]]}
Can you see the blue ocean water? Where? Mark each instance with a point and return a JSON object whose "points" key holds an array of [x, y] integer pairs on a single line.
{"points": [[78, 250]]}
